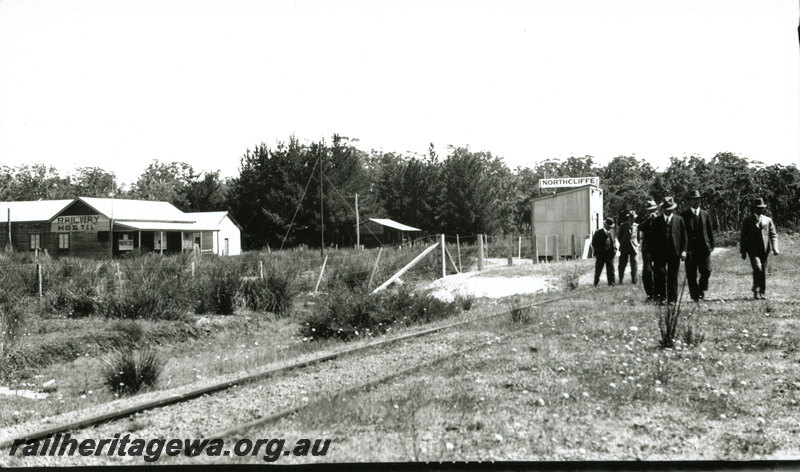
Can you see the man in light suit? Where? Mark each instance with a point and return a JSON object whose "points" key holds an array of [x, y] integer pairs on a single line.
{"points": [[758, 238], [628, 236], [647, 258], [701, 244], [605, 248], [667, 243]]}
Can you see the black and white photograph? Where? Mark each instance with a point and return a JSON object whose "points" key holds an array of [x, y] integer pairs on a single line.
{"points": [[360, 233]]}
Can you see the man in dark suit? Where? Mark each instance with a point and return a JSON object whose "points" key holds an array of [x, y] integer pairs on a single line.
{"points": [[758, 238], [647, 259], [605, 248], [701, 243], [667, 244], [628, 235]]}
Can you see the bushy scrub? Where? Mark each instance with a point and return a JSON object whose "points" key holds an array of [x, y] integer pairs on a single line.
{"points": [[128, 372], [275, 293], [77, 287], [151, 287], [346, 314], [216, 286]]}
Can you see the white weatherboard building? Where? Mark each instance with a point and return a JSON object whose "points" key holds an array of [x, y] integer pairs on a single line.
{"points": [[562, 222], [227, 238]]}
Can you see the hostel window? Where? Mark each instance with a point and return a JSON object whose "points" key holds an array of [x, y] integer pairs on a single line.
{"points": [[63, 240], [36, 241]]}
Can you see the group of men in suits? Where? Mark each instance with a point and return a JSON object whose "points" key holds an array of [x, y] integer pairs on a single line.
{"points": [[666, 239]]}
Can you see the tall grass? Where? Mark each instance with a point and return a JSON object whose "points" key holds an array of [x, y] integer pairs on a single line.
{"points": [[128, 372]]}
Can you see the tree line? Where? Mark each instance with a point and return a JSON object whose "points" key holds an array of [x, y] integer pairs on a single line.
{"points": [[276, 196]]}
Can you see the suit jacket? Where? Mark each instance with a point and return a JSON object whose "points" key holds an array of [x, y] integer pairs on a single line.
{"points": [[628, 234], [699, 232], [603, 244], [665, 240], [644, 230], [758, 238]]}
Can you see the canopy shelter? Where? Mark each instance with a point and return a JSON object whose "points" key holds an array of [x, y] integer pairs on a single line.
{"points": [[383, 231]]}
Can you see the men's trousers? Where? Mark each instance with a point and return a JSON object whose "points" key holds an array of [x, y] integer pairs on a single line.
{"points": [[647, 274], [697, 262], [623, 261], [608, 263], [666, 278], [759, 264]]}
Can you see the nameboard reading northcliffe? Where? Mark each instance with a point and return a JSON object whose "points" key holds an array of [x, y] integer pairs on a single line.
{"points": [[569, 182], [79, 223]]}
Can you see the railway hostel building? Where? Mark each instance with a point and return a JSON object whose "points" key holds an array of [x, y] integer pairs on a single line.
{"points": [[106, 227]]}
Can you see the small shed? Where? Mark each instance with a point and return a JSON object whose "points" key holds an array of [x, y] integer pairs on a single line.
{"points": [[227, 238], [563, 221], [383, 231]]}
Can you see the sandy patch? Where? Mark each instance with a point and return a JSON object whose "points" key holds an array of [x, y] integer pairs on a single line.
{"points": [[490, 283]]}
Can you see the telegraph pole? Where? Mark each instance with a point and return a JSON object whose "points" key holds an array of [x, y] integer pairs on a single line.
{"points": [[358, 227], [321, 211]]}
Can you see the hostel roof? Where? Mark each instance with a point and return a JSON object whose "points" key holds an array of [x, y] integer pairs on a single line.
{"points": [[134, 214], [41, 210]]}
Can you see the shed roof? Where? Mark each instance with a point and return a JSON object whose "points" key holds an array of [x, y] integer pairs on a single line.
{"points": [[565, 192], [393, 224], [41, 210], [212, 218]]}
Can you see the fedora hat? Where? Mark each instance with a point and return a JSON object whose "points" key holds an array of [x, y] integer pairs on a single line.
{"points": [[759, 203], [669, 204], [608, 222], [651, 205], [693, 194]]}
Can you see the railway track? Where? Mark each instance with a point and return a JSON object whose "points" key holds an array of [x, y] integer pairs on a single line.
{"points": [[196, 409]]}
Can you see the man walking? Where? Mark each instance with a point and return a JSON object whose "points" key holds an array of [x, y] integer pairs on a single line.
{"points": [[701, 243], [647, 259], [604, 246], [758, 238], [628, 246], [667, 244]]}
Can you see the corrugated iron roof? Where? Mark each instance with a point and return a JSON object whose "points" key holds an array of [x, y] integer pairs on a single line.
{"points": [[137, 210], [212, 219], [165, 226], [42, 210], [394, 224]]}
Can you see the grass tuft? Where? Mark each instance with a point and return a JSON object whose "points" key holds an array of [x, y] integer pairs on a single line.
{"points": [[127, 372]]}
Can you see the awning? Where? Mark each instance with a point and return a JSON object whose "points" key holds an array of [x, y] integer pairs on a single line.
{"points": [[393, 224], [162, 226]]}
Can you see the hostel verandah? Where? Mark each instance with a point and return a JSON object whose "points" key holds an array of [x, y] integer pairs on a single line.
{"points": [[105, 227]]}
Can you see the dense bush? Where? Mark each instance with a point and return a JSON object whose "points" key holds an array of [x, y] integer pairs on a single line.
{"points": [[275, 293], [216, 286], [346, 314], [77, 287], [127, 372]]}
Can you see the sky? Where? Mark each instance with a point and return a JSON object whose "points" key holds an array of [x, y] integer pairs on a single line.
{"points": [[118, 84]]}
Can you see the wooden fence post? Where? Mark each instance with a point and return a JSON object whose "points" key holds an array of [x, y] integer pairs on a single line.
{"points": [[519, 249], [39, 275], [192, 269], [444, 256], [535, 249], [509, 245], [556, 241], [480, 252], [320, 273], [458, 248], [374, 268], [261, 270], [404, 269], [546, 253], [573, 246]]}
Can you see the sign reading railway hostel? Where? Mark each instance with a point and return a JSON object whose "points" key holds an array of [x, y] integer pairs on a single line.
{"points": [[569, 182], [77, 223]]}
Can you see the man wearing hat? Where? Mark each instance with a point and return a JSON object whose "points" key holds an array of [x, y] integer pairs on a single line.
{"points": [[701, 243], [647, 259], [604, 246], [667, 243], [758, 238], [628, 245]]}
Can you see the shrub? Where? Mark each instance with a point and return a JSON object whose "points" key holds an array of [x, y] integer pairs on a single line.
{"points": [[570, 278], [130, 329], [274, 294], [518, 312], [150, 287], [345, 314], [127, 372], [465, 301], [216, 287]]}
